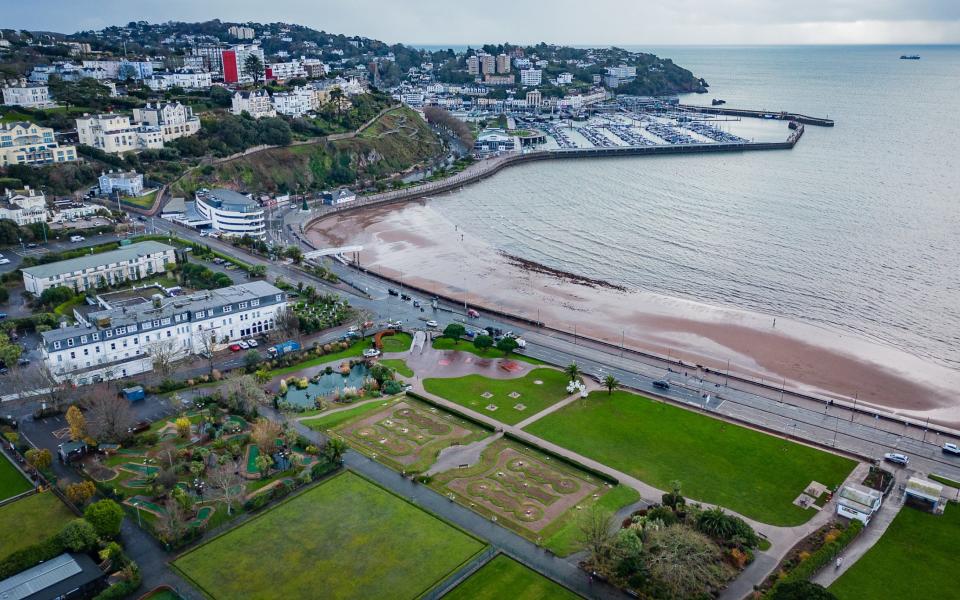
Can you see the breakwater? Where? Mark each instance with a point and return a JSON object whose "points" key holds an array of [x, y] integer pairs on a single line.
{"points": [[488, 167], [759, 114]]}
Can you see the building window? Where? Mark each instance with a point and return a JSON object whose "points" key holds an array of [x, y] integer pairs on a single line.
{"points": [[56, 345], [279, 296], [255, 303], [109, 333], [96, 336], [73, 355], [83, 339], [70, 342], [200, 314], [227, 309], [113, 346], [242, 306]]}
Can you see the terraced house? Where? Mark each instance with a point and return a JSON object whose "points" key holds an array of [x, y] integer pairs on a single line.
{"points": [[127, 263], [115, 341]]}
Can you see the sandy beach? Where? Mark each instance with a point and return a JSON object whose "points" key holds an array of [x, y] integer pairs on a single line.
{"points": [[416, 243]]}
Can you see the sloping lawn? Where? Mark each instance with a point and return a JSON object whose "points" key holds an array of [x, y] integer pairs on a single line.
{"points": [[755, 474], [398, 342], [325, 422], [31, 520], [355, 349], [468, 391], [915, 558], [398, 365], [443, 343], [504, 577], [11, 481], [345, 538]]}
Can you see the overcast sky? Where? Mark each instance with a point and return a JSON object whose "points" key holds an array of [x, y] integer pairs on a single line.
{"points": [[602, 22]]}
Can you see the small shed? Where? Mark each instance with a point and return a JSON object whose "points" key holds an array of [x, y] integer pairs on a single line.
{"points": [[69, 451], [923, 491], [858, 502]]}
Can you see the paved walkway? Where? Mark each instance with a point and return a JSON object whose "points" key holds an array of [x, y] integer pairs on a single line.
{"points": [[455, 457], [868, 537], [506, 541]]}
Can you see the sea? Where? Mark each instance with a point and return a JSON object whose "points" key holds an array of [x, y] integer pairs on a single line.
{"points": [[856, 229]]}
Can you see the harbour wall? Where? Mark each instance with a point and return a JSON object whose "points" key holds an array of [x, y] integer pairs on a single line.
{"points": [[759, 114]]}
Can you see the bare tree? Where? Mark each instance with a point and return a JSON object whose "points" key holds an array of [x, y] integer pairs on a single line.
{"points": [[444, 119], [594, 525], [108, 416], [168, 451], [243, 393], [264, 434], [288, 323], [164, 354], [206, 341], [230, 485], [173, 521]]}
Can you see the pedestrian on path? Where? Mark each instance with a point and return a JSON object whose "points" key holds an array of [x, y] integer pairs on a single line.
{"points": [[839, 561]]}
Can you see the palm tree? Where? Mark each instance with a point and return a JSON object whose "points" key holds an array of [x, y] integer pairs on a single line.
{"points": [[573, 371], [610, 382], [335, 449]]}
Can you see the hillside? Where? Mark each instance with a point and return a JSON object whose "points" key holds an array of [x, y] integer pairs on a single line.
{"points": [[395, 142]]}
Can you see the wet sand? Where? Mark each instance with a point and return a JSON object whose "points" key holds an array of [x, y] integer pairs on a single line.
{"points": [[417, 244]]}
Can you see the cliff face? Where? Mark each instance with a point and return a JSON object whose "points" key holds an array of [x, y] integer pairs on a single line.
{"points": [[395, 142]]}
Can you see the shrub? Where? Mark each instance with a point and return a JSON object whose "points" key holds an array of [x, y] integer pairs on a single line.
{"points": [[802, 590], [78, 536], [818, 559], [125, 587], [79, 493], [106, 517]]}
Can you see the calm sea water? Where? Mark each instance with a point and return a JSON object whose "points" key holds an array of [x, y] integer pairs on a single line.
{"points": [[857, 228]]}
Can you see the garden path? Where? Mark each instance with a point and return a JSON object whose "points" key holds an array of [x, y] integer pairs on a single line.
{"points": [[868, 537], [454, 457], [341, 409], [589, 384]]}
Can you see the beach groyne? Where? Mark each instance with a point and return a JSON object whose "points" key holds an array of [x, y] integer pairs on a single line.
{"points": [[759, 114], [491, 166]]}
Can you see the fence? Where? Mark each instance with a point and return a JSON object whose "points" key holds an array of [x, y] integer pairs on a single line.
{"points": [[461, 574]]}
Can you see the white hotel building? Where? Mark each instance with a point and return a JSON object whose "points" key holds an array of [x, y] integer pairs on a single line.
{"points": [[126, 263], [118, 342], [231, 213]]}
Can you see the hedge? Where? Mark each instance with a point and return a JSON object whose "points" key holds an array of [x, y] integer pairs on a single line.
{"points": [[31, 555], [819, 559], [527, 442]]}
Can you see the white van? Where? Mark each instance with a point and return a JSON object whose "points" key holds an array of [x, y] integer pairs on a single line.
{"points": [[77, 238]]}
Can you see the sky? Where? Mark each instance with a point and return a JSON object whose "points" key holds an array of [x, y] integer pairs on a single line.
{"points": [[600, 22]]}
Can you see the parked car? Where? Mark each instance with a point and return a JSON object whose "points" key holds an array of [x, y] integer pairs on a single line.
{"points": [[896, 458], [32, 245], [404, 297], [3, 315], [8, 421], [951, 448], [432, 324], [235, 348], [139, 426], [371, 353], [243, 345], [23, 361], [77, 238], [416, 304], [393, 292], [663, 385], [252, 343], [4, 261]]}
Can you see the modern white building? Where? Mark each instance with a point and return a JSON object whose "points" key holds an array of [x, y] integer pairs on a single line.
{"points": [[341, 196], [174, 119], [121, 69], [127, 263], [127, 183], [281, 71], [115, 134], [231, 213], [473, 65], [531, 77], [858, 502], [24, 206], [23, 143], [29, 95], [564, 78], [119, 342], [256, 103], [297, 102]]}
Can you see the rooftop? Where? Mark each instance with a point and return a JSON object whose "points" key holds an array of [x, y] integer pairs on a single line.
{"points": [[92, 261], [859, 497], [223, 197], [51, 579]]}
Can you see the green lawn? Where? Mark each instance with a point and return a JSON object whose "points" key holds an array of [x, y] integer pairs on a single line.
{"points": [[398, 342], [11, 481], [345, 538], [31, 520], [744, 470], [467, 346], [562, 536], [945, 480], [504, 577], [915, 558], [145, 201], [468, 391], [399, 365], [326, 422]]}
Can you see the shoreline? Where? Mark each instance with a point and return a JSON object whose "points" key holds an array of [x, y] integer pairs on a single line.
{"points": [[415, 238]]}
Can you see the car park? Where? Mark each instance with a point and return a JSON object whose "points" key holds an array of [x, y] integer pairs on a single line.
{"points": [[949, 448], [896, 458], [661, 384]]}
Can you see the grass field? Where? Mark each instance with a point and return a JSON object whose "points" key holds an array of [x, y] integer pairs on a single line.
{"points": [[467, 346], [562, 537], [468, 391], [398, 342], [504, 577], [747, 471], [915, 558], [398, 365], [145, 201], [944, 480], [11, 481], [31, 520], [322, 423], [345, 538]]}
